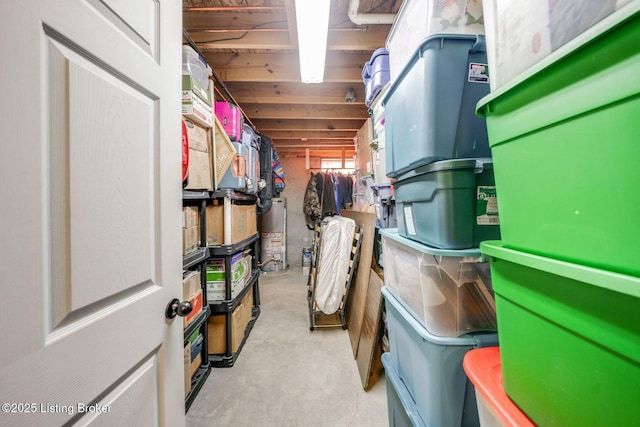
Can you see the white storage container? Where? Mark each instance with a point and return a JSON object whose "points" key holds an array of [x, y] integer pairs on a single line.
{"points": [[195, 67], [521, 34], [448, 291], [418, 19]]}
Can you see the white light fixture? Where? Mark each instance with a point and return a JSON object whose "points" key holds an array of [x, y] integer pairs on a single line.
{"points": [[312, 18]]}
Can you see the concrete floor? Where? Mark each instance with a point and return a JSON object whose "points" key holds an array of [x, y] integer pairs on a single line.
{"points": [[287, 375]]}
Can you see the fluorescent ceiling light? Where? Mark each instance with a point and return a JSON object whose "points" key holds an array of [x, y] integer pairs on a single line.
{"points": [[312, 18]]}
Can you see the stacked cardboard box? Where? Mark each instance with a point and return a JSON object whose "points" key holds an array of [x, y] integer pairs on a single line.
{"points": [[240, 319], [242, 221], [190, 230], [197, 114], [216, 276], [191, 291]]}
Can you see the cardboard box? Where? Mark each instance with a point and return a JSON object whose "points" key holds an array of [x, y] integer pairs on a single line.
{"points": [[200, 177], [195, 364], [190, 284], [243, 223], [216, 276], [197, 308], [364, 138], [189, 84], [187, 369], [198, 136], [240, 319], [190, 217], [190, 241], [194, 108]]}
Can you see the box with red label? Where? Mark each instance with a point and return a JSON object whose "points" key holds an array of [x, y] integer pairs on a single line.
{"points": [[196, 301]]}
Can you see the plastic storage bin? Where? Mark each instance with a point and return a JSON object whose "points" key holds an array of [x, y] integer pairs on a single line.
{"points": [[418, 19], [570, 339], [401, 407], [565, 151], [450, 204], [375, 74], [430, 107], [195, 66], [431, 366], [520, 34], [449, 292], [235, 178], [495, 409]]}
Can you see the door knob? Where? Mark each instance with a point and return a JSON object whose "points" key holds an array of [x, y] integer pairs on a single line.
{"points": [[178, 308]]}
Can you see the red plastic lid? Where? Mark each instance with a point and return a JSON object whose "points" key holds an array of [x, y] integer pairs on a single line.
{"points": [[484, 369]]}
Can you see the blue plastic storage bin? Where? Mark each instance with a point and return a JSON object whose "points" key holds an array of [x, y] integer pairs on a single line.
{"points": [[430, 107], [375, 74], [401, 406], [431, 367], [449, 204]]}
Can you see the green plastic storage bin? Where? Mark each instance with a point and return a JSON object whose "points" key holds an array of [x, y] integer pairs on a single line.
{"points": [[569, 339], [565, 140]]}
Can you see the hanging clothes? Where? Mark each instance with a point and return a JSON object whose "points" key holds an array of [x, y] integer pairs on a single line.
{"points": [[328, 198]]}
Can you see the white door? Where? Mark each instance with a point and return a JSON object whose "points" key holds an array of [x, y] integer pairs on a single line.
{"points": [[90, 244]]}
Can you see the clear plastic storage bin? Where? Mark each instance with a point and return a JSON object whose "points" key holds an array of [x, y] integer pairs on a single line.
{"points": [[449, 292], [195, 67], [521, 34], [418, 19]]}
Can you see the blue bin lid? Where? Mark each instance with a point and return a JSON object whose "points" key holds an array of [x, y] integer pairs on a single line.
{"points": [[476, 43], [366, 73], [476, 339], [479, 165]]}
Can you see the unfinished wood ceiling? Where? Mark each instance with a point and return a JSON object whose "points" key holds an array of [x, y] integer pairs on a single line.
{"points": [[252, 46]]}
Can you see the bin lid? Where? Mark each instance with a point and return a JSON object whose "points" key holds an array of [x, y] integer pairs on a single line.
{"points": [[471, 339], [475, 42], [392, 233], [479, 165], [483, 367]]}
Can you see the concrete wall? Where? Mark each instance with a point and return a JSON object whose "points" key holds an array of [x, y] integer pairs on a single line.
{"points": [[298, 235]]}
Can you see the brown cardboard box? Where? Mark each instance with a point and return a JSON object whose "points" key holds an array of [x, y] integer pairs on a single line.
{"points": [[240, 319], [364, 137], [195, 364], [187, 369], [198, 136], [190, 285], [189, 216], [196, 301], [190, 239], [200, 174], [243, 223]]}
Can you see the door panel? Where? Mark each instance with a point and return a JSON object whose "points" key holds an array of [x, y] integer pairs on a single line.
{"points": [[89, 212]]}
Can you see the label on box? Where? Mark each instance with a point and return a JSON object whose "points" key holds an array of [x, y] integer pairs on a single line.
{"points": [[189, 216], [478, 73], [487, 206], [196, 109], [197, 136], [408, 220]]}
